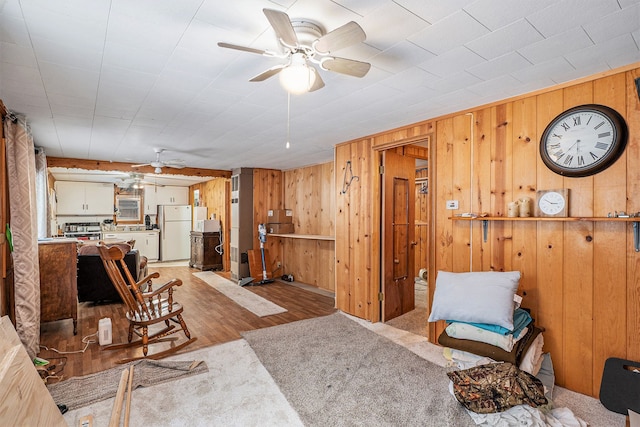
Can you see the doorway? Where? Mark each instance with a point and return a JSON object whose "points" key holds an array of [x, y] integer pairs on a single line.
{"points": [[405, 300]]}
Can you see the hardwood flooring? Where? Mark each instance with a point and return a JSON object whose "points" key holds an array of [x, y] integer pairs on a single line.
{"points": [[210, 316]]}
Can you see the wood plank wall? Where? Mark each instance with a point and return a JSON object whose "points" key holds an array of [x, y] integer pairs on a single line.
{"points": [[310, 193], [216, 196], [268, 194], [581, 280]]}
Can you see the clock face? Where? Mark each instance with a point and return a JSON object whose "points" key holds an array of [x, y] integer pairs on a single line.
{"points": [[583, 140], [551, 203]]}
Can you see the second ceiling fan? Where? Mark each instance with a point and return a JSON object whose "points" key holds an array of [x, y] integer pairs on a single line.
{"points": [[304, 43]]}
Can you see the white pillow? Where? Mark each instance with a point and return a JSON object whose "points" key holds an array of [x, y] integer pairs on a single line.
{"points": [[480, 297]]}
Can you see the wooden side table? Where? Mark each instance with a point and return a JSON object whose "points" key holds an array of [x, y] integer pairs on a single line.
{"points": [[203, 253]]}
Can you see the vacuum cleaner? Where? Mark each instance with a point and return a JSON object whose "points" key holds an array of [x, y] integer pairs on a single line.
{"points": [[262, 235]]}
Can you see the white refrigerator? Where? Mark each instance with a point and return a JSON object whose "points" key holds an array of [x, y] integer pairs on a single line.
{"points": [[175, 226]]}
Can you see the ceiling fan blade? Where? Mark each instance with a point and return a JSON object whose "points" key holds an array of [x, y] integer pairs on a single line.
{"points": [[174, 165], [242, 48], [269, 73], [282, 26], [141, 165], [318, 83], [347, 35], [350, 67]]}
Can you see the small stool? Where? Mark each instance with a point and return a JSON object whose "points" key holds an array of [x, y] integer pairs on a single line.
{"points": [[620, 387]]}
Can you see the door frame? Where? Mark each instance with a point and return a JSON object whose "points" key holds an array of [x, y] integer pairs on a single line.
{"points": [[430, 141]]}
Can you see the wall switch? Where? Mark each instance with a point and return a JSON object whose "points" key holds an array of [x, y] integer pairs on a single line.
{"points": [[452, 204]]}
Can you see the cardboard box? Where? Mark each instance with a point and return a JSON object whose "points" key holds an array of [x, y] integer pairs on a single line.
{"points": [[279, 216], [279, 228], [206, 226]]}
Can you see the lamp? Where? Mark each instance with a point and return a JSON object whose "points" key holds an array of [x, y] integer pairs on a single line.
{"points": [[297, 77]]}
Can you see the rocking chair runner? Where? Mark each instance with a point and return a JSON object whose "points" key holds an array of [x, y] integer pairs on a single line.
{"points": [[144, 309]]}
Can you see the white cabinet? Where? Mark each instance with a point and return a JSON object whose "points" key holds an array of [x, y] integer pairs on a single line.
{"points": [[167, 195], [147, 242], [84, 198]]}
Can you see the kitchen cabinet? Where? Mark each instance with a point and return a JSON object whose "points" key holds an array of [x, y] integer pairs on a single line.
{"points": [[84, 198], [203, 253], [147, 242], [168, 195], [58, 260]]}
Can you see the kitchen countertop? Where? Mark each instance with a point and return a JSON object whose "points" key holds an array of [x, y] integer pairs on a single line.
{"points": [[129, 231]]}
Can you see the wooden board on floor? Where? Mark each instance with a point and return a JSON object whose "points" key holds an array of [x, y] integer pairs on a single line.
{"points": [[24, 399], [255, 263]]}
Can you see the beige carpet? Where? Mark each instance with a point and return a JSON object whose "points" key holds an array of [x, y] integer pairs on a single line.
{"points": [[238, 391], [254, 303]]}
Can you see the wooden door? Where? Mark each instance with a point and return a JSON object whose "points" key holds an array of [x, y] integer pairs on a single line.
{"points": [[398, 213]]}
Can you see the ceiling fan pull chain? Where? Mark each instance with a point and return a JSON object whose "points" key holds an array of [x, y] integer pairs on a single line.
{"points": [[288, 144]]}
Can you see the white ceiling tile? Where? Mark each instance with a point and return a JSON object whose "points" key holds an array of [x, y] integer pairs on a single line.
{"points": [[601, 52], [361, 7], [452, 61], [495, 14], [410, 78], [13, 30], [551, 69], [614, 24], [449, 33], [139, 33], [454, 81], [69, 56], [500, 66], [401, 56], [504, 40], [496, 88], [555, 46], [563, 15], [69, 81], [138, 59], [17, 55], [379, 25], [433, 10]]}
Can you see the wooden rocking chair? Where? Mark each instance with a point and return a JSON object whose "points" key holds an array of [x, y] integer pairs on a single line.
{"points": [[144, 309]]}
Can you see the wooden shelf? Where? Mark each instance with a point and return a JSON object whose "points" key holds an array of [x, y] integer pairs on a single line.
{"points": [[485, 222], [563, 219], [303, 236]]}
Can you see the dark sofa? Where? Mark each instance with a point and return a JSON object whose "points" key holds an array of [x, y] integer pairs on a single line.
{"points": [[94, 283]]}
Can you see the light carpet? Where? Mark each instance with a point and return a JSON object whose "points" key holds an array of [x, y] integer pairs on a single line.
{"points": [[335, 372], [254, 303], [238, 391]]}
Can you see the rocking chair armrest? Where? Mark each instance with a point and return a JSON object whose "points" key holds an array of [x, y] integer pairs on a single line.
{"points": [[148, 277], [169, 285]]}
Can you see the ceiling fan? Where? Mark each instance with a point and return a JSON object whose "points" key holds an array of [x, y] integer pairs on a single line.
{"points": [[136, 180], [303, 43], [159, 164]]}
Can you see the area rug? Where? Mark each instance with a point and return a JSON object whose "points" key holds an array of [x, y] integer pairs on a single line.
{"points": [[82, 391], [244, 298], [335, 372]]}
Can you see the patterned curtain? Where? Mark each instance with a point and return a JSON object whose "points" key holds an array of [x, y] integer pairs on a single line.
{"points": [[21, 171]]}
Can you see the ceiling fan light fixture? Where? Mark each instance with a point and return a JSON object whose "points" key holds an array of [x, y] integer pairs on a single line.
{"points": [[157, 170], [297, 78]]}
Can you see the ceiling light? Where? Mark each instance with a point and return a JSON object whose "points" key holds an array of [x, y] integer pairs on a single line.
{"points": [[297, 77], [158, 170]]}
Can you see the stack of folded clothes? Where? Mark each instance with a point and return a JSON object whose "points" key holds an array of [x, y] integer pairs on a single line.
{"points": [[485, 320]]}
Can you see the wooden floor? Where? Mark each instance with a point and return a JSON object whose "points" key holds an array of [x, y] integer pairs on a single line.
{"points": [[210, 316]]}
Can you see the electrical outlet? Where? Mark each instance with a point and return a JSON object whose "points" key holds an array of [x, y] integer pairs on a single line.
{"points": [[452, 204]]}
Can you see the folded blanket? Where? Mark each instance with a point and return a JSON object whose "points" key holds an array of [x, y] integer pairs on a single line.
{"points": [[468, 331], [521, 319], [496, 353]]}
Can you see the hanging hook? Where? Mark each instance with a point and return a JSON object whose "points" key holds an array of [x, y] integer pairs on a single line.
{"points": [[346, 184]]}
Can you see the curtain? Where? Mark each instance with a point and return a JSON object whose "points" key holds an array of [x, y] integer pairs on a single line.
{"points": [[21, 173], [42, 192]]}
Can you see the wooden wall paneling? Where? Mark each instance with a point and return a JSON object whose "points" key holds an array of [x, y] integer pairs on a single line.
{"points": [[422, 219], [444, 191], [267, 194], [502, 180], [550, 249], [610, 244], [462, 168], [578, 280], [523, 155], [326, 226], [342, 244], [215, 195], [633, 205], [482, 155]]}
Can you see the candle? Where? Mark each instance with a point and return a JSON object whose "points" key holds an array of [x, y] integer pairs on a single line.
{"points": [[525, 207], [512, 209]]}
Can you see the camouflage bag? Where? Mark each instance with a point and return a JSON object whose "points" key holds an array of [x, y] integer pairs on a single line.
{"points": [[496, 387]]}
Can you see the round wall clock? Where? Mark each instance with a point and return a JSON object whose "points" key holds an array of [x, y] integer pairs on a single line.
{"points": [[552, 203], [583, 140]]}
